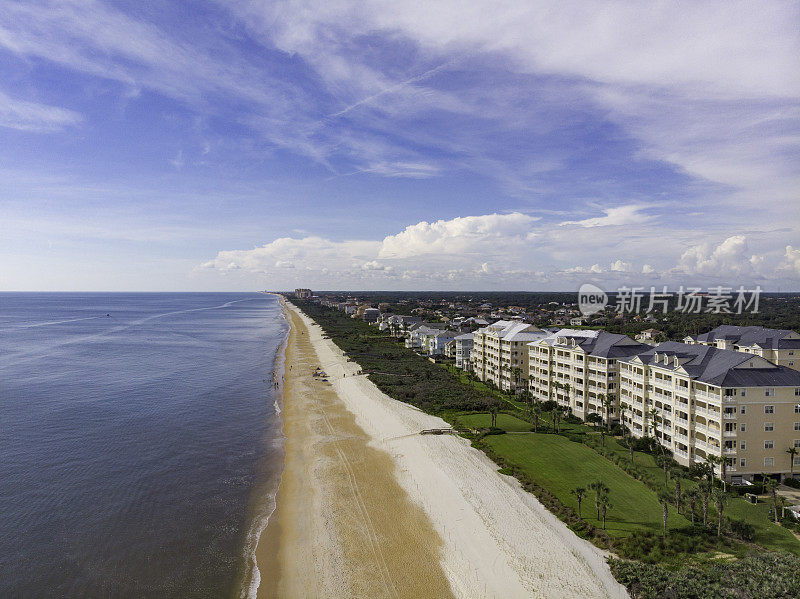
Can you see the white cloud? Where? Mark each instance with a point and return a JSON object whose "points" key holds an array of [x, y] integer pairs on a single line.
{"points": [[620, 266], [469, 234], [504, 251], [312, 252], [32, 116], [791, 261], [614, 217], [730, 257]]}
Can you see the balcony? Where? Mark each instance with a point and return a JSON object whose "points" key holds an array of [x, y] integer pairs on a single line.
{"points": [[727, 416], [728, 433]]}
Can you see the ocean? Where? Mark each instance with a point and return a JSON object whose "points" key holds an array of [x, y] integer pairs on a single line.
{"points": [[140, 442]]}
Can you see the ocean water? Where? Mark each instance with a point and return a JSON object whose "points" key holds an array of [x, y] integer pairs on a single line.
{"points": [[140, 442]]}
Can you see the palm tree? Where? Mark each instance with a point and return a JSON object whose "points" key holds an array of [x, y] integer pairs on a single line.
{"points": [[666, 463], [579, 493], [711, 462], [630, 447], [692, 496], [664, 497], [771, 487], [720, 498], [567, 388], [536, 411], [623, 410], [608, 403], [599, 488], [792, 451], [605, 504], [705, 488], [493, 410], [676, 473]]}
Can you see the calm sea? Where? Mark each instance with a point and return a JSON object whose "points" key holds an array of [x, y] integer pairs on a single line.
{"points": [[140, 442]]}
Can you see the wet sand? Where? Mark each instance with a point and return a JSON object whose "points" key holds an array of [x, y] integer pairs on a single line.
{"points": [[343, 526]]}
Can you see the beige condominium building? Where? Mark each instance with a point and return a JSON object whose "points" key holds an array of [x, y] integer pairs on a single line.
{"points": [[500, 353], [585, 360], [701, 401], [779, 346]]}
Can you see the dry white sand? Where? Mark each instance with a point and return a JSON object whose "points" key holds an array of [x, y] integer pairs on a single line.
{"points": [[499, 541]]}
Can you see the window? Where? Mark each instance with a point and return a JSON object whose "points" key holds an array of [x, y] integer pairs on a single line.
{"points": [[742, 409], [743, 445], [743, 427], [769, 392], [744, 393], [769, 427], [797, 393], [743, 462], [797, 443], [797, 426], [769, 444], [797, 406], [769, 409], [769, 462]]}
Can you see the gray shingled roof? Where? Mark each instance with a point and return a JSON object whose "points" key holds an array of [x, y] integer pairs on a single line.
{"points": [[749, 336], [719, 366]]}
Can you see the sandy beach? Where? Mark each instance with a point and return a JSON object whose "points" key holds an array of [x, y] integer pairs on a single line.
{"points": [[367, 507]]}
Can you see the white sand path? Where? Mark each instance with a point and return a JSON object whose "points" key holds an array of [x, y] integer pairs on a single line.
{"points": [[499, 541]]}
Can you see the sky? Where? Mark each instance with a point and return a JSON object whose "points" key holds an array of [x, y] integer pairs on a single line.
{"points": [[490, 145]]}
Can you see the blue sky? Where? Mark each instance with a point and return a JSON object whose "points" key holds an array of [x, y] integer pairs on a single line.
{"points": [[243, 144]]}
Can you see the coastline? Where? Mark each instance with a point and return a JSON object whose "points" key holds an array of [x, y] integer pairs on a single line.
{"points": [[486, 535], [343, 526], [263, 511]]}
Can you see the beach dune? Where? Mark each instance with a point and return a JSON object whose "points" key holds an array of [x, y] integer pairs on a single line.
{"points": [[480, 533]]}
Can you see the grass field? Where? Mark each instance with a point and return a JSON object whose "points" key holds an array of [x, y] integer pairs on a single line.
{"points": [[560, 465], [767, 533], [504, 421]]}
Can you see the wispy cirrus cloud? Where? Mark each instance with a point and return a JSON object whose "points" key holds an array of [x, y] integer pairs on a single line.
{"points": [[33, 116]]}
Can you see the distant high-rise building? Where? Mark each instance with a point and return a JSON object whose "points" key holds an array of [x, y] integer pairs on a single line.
{"points": [[303, 293]]}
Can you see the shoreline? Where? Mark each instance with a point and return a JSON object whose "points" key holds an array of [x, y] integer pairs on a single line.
{"points": [[343, 526], [250, 578], [491, 538]]}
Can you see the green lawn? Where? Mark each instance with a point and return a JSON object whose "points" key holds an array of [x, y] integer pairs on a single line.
{"points": [[767, 534], [559, 465], [504, 421]]}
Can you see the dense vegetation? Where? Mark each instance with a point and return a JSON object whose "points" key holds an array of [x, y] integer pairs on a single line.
{"points": [[399, 373], [763, 576]]}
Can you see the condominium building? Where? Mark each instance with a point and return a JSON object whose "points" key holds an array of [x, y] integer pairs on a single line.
{"points": [[779, 346], [586, 361], [501, 353], [701, 401]]}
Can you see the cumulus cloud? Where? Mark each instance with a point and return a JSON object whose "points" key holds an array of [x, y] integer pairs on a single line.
{"points": [[620, 266], [511, 251], [791, 262], [469, 234], [730, 257]]}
